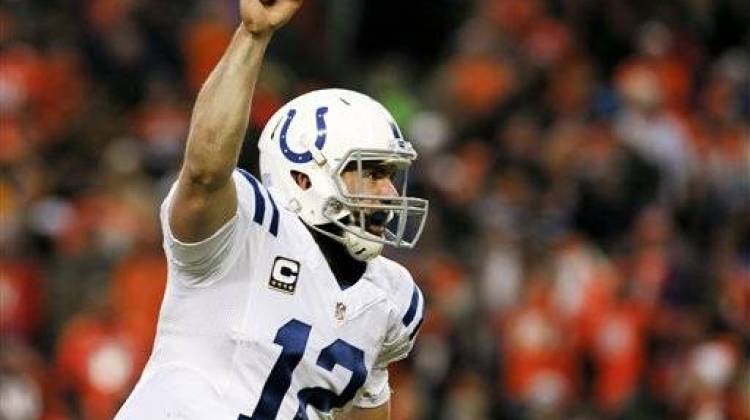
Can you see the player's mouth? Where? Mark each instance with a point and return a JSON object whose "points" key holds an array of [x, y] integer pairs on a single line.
{"points": [[377, 230], [376, 222]]}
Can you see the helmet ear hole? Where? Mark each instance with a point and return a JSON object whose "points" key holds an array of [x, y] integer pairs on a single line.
{"points": [[301, 179]]}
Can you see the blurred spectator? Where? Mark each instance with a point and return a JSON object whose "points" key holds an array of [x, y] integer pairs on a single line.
{"points": [[539, 363], [203, 44], [27, 390], [21, 303], [98, 361], [649, 129], [137, 290]]}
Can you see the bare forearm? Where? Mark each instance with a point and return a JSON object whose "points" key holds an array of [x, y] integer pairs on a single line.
{"points": [[205, 197], [220, 115]]}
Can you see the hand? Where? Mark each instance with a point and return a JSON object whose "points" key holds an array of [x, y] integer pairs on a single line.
{"points": [[262, 17]]}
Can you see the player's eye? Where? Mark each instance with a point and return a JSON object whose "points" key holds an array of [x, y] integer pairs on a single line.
{"points": [[371, 174], [377, 173], [388, 171], [372, 171]]}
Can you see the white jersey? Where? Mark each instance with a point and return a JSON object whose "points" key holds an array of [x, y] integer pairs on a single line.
{"points": [[255, 326]]}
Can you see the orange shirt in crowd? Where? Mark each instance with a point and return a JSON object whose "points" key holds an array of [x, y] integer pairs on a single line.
{"points": [[672, 74], [136, 295], [20, 300], [203, 45], [617, 347], [97, 358], [539, 354], [478, 83]]}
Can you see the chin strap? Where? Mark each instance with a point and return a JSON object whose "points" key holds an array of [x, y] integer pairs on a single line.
{"points": [[359, 248]]}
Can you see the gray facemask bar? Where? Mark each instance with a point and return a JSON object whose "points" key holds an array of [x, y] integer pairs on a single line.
{"points": [[402, 206]]}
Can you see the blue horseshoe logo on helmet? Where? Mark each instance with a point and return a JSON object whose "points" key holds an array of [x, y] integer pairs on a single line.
{"points": [[319, 141]]}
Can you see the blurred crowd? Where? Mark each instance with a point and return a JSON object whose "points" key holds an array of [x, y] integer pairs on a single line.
{"points": [[587, 253]]}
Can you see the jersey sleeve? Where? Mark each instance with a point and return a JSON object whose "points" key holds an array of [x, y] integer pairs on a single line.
{"points": [[206, 260], [406, 318], [409, 309]]}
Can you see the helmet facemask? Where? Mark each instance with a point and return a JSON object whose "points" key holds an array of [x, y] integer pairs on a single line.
{"points": [[371, 220]]}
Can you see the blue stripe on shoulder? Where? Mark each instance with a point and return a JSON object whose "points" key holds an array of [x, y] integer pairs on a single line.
{"points": [[421, 315], [260, 203], [409, 315]]}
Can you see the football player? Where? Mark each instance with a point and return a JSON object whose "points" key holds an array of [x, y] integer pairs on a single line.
{"points": [[278, 304]]}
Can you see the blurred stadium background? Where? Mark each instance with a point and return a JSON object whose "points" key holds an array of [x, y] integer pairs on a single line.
{"points": [[588, 162]]}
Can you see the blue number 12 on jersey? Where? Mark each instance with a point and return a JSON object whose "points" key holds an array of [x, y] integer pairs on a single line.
{"points": [[292, 337]]}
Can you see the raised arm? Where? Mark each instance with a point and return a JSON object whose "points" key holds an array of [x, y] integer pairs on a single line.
{"points": [[206, 197]]}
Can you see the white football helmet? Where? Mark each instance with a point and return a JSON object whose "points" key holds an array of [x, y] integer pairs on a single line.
{"points": [[323, 133]]}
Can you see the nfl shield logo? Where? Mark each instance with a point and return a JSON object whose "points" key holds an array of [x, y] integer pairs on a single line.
{"points": [[340, 312]]}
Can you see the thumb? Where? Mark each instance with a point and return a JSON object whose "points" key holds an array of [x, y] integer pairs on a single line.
{"points": [[281, 11]]}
